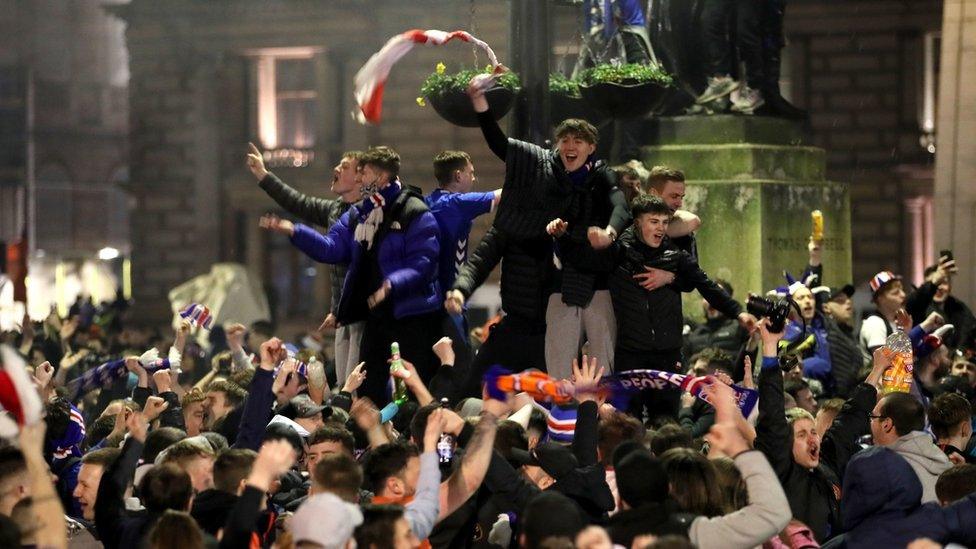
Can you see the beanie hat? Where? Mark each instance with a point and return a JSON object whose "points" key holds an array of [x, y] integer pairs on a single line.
{"points": [[561, 423], [880, 279]]}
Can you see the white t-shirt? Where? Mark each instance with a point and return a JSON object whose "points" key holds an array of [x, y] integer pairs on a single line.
{"points": [[874, 332]]}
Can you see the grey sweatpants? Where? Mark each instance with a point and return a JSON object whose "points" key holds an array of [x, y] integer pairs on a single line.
{"points": [[568, 327], [347, 340]]}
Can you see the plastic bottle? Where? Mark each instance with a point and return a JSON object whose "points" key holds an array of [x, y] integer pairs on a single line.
{"points": [[898, 376], [399, 387]]}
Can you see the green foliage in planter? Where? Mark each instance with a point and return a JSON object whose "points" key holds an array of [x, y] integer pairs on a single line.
{"points": [[560, 84], [630, 73], [440, 82]]}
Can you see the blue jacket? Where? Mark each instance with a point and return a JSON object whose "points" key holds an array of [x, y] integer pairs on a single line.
{"points": [[880, 506], [408, 257], [816, 366]]}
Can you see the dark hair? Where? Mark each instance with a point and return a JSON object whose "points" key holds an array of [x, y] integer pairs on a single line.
{"points": [[330, 433], [231, 467], [419, 422], [578, 127], [662, 174], [730, 483], [694, 482], [57, 418], [905, 411], [537, 422], [445, 164], [263, 327], [387, 461], [615, 429], [9, 532], [649, 204], [382, 157], [946, 412], [672, 541], [717, 359], [377, 528], [12, 463], [510, 436], [670, 436], [956, 483], [281, 431], [794, 386], [234, 393], [165, 487], [550, 514], [99, 429], [217, 441], [176, 529], [160, 439], [339, 474]]}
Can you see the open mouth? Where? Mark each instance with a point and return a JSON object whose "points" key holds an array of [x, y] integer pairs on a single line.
{"points": [[571, 157], [814, 453]]}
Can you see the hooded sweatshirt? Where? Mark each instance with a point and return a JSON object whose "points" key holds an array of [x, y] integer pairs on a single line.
{"points": [[881, 506], [926, 459]]}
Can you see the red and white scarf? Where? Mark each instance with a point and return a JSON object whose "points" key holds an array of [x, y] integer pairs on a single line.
{"points": [[371, 78]]}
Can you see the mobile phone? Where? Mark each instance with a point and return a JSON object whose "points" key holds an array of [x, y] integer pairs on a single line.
{"points": [[946, 254]]}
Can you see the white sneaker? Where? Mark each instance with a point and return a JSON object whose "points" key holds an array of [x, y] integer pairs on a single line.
{"points": [[746, 100], [718, 86]]}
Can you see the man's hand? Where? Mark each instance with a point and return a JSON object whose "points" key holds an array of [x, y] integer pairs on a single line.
{"points": [[600, 239], [945, 271], [68, 328], [722, 398], [255, 162], [286, 385], [43, 374], [272, 352], [444, 349], [365, 414], [235, 337], [274, 223], [138, 425], [687, 400], [557, 227], [356, 378], [27, 328], [179, 341], [815, 247], [274, 459], [770, 339], [163, 381], [903, 320], [881, 362], [933, 322], [747, 321], [435, 427], [330, 323], [454, 302], [652, 279], [121, 419], [379, 295], [747, 380], [586, 379], [133, 365], [726, 438], [476, 92], [155, 406]]}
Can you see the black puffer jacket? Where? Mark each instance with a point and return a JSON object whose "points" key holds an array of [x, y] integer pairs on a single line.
{"points": [[653, 321], [527, 273], [323, 212]]}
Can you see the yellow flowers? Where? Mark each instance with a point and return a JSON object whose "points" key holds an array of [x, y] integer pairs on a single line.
{"points": [[421, 102], [441, 68]]}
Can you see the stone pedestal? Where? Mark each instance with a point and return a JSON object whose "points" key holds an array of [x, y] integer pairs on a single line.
{"points": [[753, 183]]}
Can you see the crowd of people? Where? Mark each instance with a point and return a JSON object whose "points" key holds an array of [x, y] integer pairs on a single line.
{"points": [[400, 437]]}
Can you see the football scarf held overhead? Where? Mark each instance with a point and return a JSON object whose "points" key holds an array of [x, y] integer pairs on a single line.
{"points": [[634, 381], [371, 78]]}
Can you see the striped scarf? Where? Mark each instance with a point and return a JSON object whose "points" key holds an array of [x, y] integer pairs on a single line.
{"points": [[371, 212]]}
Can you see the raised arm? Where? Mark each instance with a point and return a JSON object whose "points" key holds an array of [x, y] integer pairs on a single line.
{"points": [[476, 269], [494, 135], [773, 434], [260, 397], [469, 476], [840, 441], [683, 223], [51, 532], [110, 502]]}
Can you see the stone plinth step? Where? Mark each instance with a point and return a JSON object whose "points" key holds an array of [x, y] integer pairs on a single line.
{"points": [[740, 161], [724, 128]]}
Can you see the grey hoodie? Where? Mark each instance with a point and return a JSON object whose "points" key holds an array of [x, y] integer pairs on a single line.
{"points": [[926, 459]]}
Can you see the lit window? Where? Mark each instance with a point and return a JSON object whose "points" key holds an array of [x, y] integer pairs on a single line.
{"points": [[287, 104], [930, 90]]}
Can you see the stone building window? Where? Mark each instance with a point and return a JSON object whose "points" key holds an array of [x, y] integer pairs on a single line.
{"points": [[287, 100], [921, 230]]}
